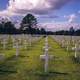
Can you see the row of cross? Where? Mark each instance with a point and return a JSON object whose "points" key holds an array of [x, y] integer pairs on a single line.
{"points": [[44, 57], [75, 48]]}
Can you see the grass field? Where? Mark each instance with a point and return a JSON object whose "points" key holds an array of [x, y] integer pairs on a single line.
{"points": [[29, 66]]}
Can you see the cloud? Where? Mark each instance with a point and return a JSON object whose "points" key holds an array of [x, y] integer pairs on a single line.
{"points": [[79, 12], [34, 6], [72, 18], [56, 26], [69, 18], [48, 16]]}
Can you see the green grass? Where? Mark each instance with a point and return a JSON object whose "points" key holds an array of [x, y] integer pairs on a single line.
{"points": [[29, 66], [64, 65]]}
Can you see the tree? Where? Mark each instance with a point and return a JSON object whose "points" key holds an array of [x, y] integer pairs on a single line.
{"points": [[71, 30], [28, 24], [43, 31], [9, 28], [1, 28], [77, 32]]}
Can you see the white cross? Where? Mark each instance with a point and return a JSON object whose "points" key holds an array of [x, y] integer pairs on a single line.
{"points": [[46, 39], [4, 43], [76, 50], [19, 40], [25, 44], [63, 44], [17, 48], [67, 46], [46, 57]]}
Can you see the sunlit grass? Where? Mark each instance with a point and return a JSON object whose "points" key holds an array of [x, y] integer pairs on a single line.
{"points": [[29, 66]]}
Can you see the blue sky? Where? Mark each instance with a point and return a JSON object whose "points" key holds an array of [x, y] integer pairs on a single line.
{"points": [[47, 11], [66, 10], [3, 4]]}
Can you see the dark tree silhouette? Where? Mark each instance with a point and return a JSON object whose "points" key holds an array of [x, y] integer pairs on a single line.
{"points": [[71, 31], [77, 32], [9, 28], [28, 24], [43, 31], [1, 28]]}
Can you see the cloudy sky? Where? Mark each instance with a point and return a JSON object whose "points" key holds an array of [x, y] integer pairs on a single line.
{"points": [[48, 12]]}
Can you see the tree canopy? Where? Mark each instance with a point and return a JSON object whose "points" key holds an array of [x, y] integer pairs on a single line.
{"points": [[29, 24]]}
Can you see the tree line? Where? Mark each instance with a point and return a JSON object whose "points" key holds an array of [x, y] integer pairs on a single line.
{"points": [[29, 25], [71, 31]]}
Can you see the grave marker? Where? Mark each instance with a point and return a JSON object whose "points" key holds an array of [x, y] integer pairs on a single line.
{"points": [[25, 44], [67, 46], [76, 49], [4, 42], [17, 49], [46, 57]]}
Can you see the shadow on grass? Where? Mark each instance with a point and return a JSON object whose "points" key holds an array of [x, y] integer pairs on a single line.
{"points": [[14, 57], [75, 60], [7, 69], [4, 72], [8, 66], [46, 74], [50, 74]]}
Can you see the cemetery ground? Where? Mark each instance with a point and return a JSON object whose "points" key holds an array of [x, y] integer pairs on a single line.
{"points": [[29, 66]]}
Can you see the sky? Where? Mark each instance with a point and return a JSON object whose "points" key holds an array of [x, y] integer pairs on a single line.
{"points": [[50, 13]]}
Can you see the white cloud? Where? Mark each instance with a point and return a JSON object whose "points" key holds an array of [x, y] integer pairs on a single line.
{"points": [[6, 13], [56, 26], [72, 18], [34, 6], [28, 4]]}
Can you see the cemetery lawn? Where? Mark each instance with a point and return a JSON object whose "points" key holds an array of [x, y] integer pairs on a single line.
{"points": [[29, 66]]}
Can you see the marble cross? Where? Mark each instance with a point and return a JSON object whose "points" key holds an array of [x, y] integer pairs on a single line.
{"points": [[4, 42], [17, 48], [46, 57], [67, 46], [63, 44], [25, 44], [76, 49]]}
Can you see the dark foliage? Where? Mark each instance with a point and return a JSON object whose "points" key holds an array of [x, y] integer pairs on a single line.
{"points": [[29, 26]]}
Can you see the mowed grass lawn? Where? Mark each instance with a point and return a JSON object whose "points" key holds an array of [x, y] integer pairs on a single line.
{"points": [[29, 66]]}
